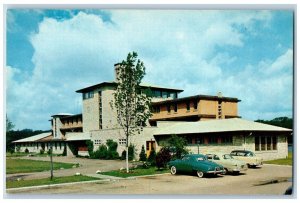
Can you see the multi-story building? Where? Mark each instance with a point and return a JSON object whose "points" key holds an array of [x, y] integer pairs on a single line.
{"points": [[170, 114]]}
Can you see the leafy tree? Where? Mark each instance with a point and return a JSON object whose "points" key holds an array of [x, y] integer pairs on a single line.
{"points": [[132, 106], [9, 125], [163, 157], [143, 156], [177, 145]]}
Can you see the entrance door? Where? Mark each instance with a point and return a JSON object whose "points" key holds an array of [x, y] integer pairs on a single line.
{"points": [[150, 145]]}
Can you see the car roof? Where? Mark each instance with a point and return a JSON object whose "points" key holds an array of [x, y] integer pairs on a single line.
{"points": [[246, 151], [195, 155]]}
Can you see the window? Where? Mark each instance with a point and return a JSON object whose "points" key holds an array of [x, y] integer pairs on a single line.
{"points": [[55, 145], [227, 139], [175, 107], [216, 157], [97, 142], [165, 95], [157, 93], [122, 141], [60, 145], [263, 143], [155, 109], [195, 104], [100, 109], [212, 140], [173, 95], [87, 95], [219, 109], [274, 143], [199, 140], [257, 144], [188, 105], [168, 108], [269, 143]]}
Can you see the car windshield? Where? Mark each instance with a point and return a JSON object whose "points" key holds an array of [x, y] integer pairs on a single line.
{"points": [[250, 154], [227, 156]]}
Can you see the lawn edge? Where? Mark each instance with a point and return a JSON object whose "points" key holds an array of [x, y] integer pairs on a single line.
{"points": [[54, 185]]}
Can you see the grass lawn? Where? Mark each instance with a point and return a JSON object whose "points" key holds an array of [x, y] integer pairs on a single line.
{"points": [[47, 181], [287, 161], [27, 166], [135, 172]]}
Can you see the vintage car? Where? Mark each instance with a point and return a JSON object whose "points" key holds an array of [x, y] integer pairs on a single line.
{"points": [[228, 162], [249, 157], [195, 163]]}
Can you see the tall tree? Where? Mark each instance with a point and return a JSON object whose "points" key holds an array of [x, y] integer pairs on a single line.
{"points": [[9, 125], [132, 104]]}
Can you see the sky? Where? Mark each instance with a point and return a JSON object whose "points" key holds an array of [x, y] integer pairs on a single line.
{"points": [[247, 54]]}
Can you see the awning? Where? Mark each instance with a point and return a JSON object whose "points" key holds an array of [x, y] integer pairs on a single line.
{"points": [[77, 136]]}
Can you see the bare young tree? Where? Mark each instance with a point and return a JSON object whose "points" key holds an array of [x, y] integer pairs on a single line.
{"points": [[131, 102]]}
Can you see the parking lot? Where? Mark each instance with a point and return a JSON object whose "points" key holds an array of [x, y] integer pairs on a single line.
{"points": [[267, 180]]}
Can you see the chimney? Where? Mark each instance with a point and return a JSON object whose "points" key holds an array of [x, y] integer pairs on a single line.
{"points": [[220, 94], [117, 68]]}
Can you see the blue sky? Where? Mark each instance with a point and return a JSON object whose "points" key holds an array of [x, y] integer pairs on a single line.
{"points": [[246, 54]]}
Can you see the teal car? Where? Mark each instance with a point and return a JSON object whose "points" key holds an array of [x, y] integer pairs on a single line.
{"points": [[195, 163]]}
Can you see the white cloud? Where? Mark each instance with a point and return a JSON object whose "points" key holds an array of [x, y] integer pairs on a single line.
{"points": [[178, 48]]}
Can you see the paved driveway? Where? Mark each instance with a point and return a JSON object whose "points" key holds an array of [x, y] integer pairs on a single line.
{"points": [[87, 166], [253, 182]]}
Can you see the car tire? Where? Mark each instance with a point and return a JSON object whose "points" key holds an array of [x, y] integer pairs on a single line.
{"points": [[200, 174], [226, 171], [173, 170]]}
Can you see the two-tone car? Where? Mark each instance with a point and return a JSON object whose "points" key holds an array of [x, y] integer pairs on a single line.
{"points": [[249, 157], [230, 164], [195, 163]]}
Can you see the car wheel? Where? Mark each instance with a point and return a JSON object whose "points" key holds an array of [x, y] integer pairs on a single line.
{"points": [[200, 174], [173, 170], [226, 171]]}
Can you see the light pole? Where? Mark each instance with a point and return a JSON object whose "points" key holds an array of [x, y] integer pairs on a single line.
{"points": [[51, 162]]}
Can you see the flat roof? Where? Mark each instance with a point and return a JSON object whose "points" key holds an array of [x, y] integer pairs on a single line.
{"points": [[199, 96], [114, 84], [215, 126]]}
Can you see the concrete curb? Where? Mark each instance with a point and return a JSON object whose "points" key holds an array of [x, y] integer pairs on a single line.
{"points": [[53, 185], [276, 165]]}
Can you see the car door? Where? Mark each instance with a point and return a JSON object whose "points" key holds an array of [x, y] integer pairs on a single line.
{"points": [[185, 164]]}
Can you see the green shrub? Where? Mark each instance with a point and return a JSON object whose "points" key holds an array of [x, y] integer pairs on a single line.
{"points": [[65, 151], [49, 151], [143, 156], [131, 152], [123, 156], [42, 151], [90, 146], [26, 151], [101, 153], [18, 148], [152, 157], [112, 149], [163, 157]]}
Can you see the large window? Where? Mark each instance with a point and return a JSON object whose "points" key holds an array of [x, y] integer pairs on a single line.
{"points": [[168, 108], [87, 95], [175, 107], [195, 104], [212, 140], [265, 143], [226, 139], [188, 105]]}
